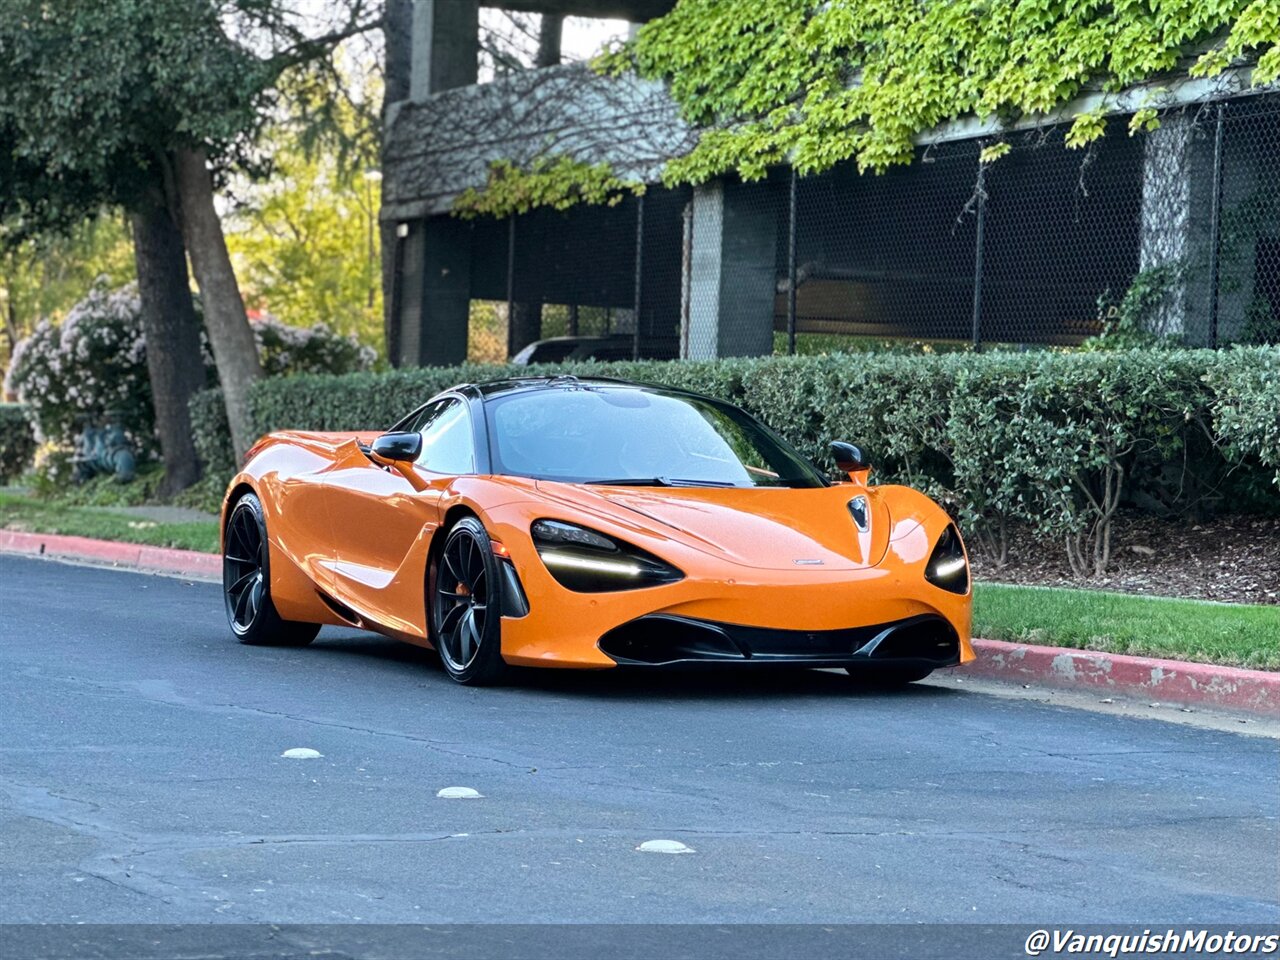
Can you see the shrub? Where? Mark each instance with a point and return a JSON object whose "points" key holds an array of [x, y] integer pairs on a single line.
{"points": [[1058, 441], [1246, 405], [211, 434], [96, 361], [815, 400], [17, 441]]}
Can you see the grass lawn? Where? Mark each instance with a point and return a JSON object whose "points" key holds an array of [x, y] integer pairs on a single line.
{"points": [[1237, 635], [38, 516]]}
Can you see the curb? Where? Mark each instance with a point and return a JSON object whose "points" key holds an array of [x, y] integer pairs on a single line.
{"points": [[1166, 681], [1140, 678], [134, 556]]}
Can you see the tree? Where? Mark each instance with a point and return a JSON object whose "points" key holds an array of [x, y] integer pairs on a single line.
{"points": [[306, 242], [44, 276], [46, 206], [174, 364], [126, 102]]}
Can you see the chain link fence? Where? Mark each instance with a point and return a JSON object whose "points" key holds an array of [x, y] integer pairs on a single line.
{"points": [[1169, 233]]}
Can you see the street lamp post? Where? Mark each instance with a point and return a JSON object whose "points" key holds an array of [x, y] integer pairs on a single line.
{"points": [[370, 178]]}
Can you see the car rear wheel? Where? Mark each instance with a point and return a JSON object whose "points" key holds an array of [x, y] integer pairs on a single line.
{"points": [[246, 583], [465, 604], [886, 677]]}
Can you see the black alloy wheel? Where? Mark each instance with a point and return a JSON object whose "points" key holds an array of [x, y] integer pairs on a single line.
{"points": [[466, 605]]}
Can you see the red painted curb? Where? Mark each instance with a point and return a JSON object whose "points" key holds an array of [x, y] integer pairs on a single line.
{"points": [[189, 563], [1164, 681]]}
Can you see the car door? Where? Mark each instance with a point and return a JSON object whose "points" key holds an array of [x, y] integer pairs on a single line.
{"points": [[383, 523]]}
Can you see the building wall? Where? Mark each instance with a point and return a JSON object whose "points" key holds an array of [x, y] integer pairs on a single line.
{"points": [[877, 257]]}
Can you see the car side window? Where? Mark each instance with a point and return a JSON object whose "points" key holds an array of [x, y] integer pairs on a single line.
{"points": [[446, 439], [426, 416]]}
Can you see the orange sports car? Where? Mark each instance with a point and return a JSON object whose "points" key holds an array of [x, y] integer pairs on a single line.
{"points": [[592, 523]]}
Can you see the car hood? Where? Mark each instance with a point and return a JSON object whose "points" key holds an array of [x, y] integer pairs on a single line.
{"points": [[765, 528]]}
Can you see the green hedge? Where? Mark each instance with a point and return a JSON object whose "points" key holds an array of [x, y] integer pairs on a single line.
{"points": [[1246, 404], [17, 441], [1056, 440]]}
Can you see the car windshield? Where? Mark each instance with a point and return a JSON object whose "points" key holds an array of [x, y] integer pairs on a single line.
{"points": [[626, 435]]}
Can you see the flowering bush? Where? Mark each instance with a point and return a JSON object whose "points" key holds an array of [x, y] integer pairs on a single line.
{"points": [[96, 362], [284, 349]]}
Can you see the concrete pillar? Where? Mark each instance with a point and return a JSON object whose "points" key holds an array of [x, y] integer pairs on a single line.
{"points": [[732, 275], [446, 45], [1177, 198], [433, 294], [397, 37], [1177, 204], [549, 34], [435, 297]]}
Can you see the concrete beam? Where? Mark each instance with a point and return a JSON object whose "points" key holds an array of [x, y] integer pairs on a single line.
{"points": [[635, 11], [438, 147]]}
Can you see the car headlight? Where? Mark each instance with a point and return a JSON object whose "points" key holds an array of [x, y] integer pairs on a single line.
{"points": [[947, 567], [588, 561]]}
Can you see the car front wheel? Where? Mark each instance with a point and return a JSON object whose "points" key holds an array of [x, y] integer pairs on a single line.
{"points": [[465, 605]]}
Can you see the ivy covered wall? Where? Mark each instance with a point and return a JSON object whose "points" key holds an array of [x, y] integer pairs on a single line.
{"points": [[814, 83]]}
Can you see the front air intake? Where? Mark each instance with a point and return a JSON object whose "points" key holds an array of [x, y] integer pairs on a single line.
{"points": [[655, 640]]}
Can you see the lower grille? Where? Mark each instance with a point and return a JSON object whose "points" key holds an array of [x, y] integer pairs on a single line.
{"points": [[662, 639]]}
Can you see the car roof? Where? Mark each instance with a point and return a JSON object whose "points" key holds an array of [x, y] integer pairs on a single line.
{"points": [[496, 388], [508, 386]]}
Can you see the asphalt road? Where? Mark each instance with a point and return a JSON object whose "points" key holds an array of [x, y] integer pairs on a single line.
{"points": [[141, 781]]}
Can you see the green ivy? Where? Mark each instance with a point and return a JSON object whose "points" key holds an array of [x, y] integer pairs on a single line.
{"points": [[817, 82], [558, 182]]}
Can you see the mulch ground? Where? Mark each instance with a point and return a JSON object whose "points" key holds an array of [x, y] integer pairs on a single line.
{"points": [[1230, 559]]}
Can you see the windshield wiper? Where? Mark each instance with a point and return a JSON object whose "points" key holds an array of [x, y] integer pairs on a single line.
{"points": [[659, 482]]}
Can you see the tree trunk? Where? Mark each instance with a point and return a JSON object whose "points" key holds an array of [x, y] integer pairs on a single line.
{"points": [[173, 340], [10, 333], [230, 335]]}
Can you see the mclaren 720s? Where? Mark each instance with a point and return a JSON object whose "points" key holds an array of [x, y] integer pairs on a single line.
{"points": [[592, 523]]}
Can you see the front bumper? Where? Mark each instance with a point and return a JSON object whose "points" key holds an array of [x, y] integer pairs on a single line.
{"points": [[661, 639], [723, 612]]}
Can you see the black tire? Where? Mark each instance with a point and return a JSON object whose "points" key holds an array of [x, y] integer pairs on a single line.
{"points": [[465, 606], [246, 583], [887, 677]]}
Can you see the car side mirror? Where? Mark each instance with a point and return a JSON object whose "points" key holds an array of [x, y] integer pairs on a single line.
{"points": [[398, 447], [851, 460]]}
